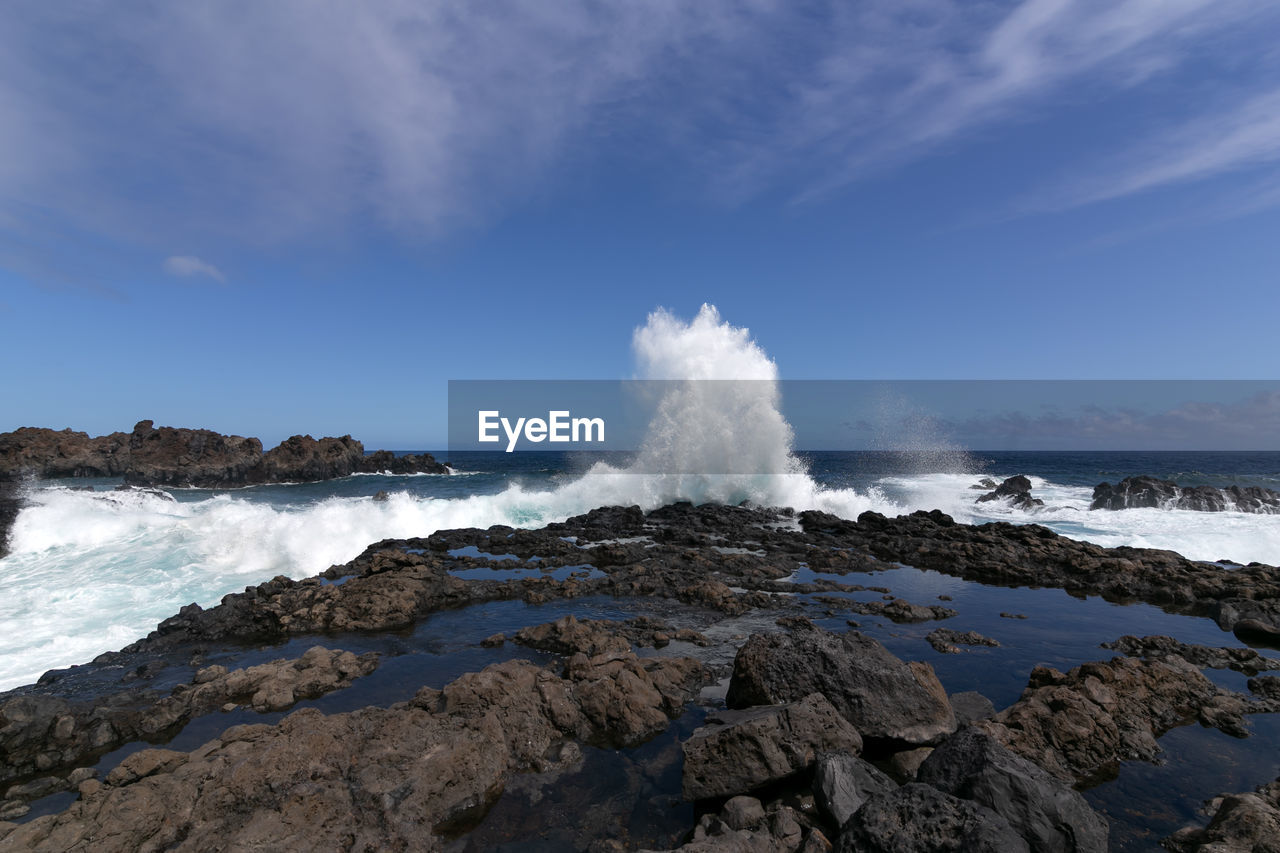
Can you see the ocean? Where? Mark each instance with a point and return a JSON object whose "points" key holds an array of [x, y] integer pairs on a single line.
{"points": [[91, 571]]}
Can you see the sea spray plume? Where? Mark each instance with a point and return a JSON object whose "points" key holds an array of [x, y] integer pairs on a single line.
{"points": [[720, 415]]}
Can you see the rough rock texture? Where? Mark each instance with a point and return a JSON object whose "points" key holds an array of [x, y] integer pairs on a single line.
{"points": [[1241, 823], [1015, 490], [1081, 725], [169, 456], [945, 640], [842, 782], [1031, 555], [971, 706], [884, 697], [901, 610], [51, 735], [1146, 492], [738, 751], [919, 819], [372, 779], [1248, 661], [1047, 813], [10, 504]]}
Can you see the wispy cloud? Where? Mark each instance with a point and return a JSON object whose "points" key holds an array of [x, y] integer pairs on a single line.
{"points": [[158, 123], [188, 266]]}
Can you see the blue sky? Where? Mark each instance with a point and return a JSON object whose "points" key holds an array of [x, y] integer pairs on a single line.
{"points": [[285, 217]]}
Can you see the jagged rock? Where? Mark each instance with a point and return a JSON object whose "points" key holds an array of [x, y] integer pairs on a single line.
{"points": [[171, 456], [900, 610], [1150, 492], [376, 778], [739, 751], [842, 782], [1048, 814], [903, 765], [971, 706], [48, 733], [920, 819], [1080, 725], [1241, 823], [884, 697], [1015, 490], [944, 640], [1248, 661]]}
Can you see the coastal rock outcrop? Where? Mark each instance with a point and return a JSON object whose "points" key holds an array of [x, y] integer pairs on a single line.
{"points": [[171, 456], [1081, 724], [1043, 810], [10, 504], [1015, 490], [372, 779], [739, 751], [885, 698], [1240, 823], [1151, 492]]}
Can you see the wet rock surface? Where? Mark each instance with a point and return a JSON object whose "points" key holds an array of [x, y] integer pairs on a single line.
{"points": [[884, 697], [10, 504], [1239, 823], [1016, 491], [171, 456], [1151, 492], [817, 724]]}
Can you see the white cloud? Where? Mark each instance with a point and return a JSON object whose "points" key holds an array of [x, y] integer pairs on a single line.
{"points": [[187, 266], [158, 123]]}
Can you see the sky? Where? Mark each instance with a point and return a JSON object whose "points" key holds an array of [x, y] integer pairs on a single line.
{"points": [[275, 218]]}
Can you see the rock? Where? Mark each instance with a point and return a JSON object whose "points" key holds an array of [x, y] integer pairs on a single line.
{"points": [[742, 812], [1080, 725], [381, 496], [971, 706], [882, 696], [493, 641], [903, 765], [169, 456], [1241, 823], [1150, 492], [900, 610], [919, 819], [1015, 490], [944, 640], [842, 782], [739, 751], [1048, 814], [10, 506], [1248, 661], [377, 778]]}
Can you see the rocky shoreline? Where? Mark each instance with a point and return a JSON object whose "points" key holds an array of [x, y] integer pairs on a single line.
{"points": [[169, 456], [782, 734]]}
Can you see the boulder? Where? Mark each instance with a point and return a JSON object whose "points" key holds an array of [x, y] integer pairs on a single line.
{"points": [[842, 782], [736, 752], [883, 697], [1048, 814], [920, 819], [1015, 490], [1240, 823]]}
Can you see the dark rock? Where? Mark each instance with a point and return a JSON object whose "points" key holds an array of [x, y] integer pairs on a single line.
{"points": [[10, 506], [1047, 813], [1080, 725], [382, 496], [1240, 823], [842, 782], [1015, 490], [884, 697], [169, 456], [1248, 661], [919, 819], [742, 812], [900, 610], [378, 778], [945, 640], [971, 706], [903, 765], [1150, 492], [736, 752]]}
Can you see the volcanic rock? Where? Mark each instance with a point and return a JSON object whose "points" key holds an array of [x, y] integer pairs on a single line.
{"points": [[1015, 490], [884, 697], [920, 819], [1150, 492]]}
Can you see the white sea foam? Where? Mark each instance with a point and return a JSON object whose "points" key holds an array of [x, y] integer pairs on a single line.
{"points": [[91, 572]]}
